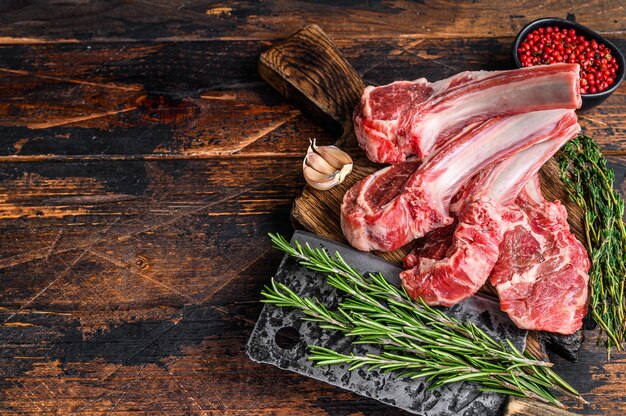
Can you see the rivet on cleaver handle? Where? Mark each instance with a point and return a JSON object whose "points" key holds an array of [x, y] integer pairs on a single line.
{"points": [[280, 337], [310, 72]]}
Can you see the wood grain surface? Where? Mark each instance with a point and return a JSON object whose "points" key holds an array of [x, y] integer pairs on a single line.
{"points": [[142, 162]]}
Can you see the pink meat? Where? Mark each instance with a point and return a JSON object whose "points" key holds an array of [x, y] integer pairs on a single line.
{"points": [[469, 260], [411, 117], [542, 273], [433, 245], [473, 254], [416, 203]]}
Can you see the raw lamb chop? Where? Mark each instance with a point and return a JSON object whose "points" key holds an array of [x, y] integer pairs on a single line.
{"points": [[542, 273], [381, 213], [468, 261], [483, 224], [411, 117]]}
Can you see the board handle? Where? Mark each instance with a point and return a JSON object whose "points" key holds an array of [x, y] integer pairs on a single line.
{"points": [[517, 406], [310, 72]]}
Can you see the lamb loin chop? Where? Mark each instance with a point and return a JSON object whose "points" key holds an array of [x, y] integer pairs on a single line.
{"points": [[542, 273]]}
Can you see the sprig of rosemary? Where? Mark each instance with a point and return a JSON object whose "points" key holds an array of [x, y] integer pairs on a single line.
{"points": [[589, 182], [418, 340]]}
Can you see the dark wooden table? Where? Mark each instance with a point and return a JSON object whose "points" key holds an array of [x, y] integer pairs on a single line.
{"points": [[142, 163]]}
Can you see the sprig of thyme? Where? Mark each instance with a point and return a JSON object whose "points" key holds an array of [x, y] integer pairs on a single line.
{"points": [[589, 182], [418, 340]]}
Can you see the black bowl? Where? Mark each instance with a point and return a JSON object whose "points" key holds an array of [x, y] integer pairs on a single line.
{"points": [[589, 100]]}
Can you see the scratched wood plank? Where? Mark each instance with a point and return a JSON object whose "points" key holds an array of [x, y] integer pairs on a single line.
{"points": [[98, 312], [113, 298], [91, 292], [130, 280], [73, 21], [120, 100]]}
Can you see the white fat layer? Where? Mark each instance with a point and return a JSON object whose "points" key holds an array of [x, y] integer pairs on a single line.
{"points": [[506, 180], [464, 159], [473, 263], [496, 100], [532, 190]]}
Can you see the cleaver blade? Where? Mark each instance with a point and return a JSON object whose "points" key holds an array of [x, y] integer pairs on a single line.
{"points": [[280, 337]]}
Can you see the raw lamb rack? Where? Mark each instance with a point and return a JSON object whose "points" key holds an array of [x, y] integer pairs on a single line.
{"points": [[400, 203], [413, 117]]}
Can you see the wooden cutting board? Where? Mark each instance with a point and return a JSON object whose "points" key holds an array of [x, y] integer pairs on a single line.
{"points": [[310, 72]]}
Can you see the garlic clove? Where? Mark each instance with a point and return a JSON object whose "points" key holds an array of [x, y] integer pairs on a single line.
{"points": [[318, 180], [325, 166], [333, 155], [325, 186], [318, 163], [311, 174]]}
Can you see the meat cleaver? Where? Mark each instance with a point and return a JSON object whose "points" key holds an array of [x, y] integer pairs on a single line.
{"points": [[280, 338]]}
